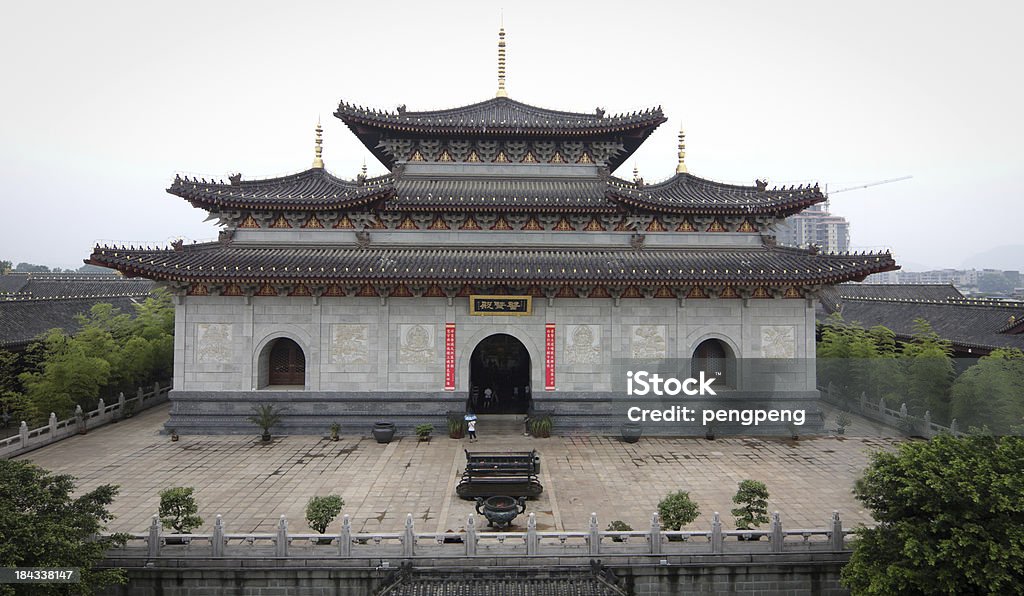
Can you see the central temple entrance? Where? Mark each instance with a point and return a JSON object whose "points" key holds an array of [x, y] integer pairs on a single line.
{"points": [[499, 376]]}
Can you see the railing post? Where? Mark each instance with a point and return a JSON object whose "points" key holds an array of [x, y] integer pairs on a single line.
{"points": [[863, 401], [120, 405], [776, 533], [409, 538], [156, 389], [154, 541], [716, 533], [953, 428], [281, 544], [881, 407], [79, 418], [655, 536], [345, 538], [470, 536], [23, 433], [218, 537], [837, 532], [903, 410], [53, 425], [928, 423], [99, 411], [595, 536], [532, 540]]}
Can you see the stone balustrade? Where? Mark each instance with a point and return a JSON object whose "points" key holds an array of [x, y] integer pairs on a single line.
{"points": [[899, 419], [28, 439], [474, 542]]}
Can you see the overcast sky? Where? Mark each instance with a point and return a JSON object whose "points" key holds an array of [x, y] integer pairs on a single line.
{"points": [[104, 102]]}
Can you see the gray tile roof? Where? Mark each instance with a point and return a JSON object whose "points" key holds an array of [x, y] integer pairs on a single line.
{"points": [[21, 321], [64, 285], [686, 193], [835, 295], [314, 190], [213, 262], [499, 116], [978, 325], [588, 194]]}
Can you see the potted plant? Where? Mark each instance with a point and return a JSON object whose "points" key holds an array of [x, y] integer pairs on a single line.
{"points": [[676, 510], [456, 428], [174, 434], [178, 512], [265, 416], [335, 429], [423, 431], [842, 421], [619, 526], [540, 425], [631, 432], [752, 498], [321, 511], [383, 431]]}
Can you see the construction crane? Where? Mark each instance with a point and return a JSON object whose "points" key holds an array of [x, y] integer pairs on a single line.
{"points": [[869, 184]]}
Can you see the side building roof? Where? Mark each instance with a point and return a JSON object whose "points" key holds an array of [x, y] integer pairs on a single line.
{"points": [[973, 326]]}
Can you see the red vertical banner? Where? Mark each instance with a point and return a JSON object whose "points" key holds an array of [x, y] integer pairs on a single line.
{"points": [[549, 357], [449, 356]]}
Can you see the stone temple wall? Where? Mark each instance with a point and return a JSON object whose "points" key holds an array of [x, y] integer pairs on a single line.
{"points": [[367, 357]]}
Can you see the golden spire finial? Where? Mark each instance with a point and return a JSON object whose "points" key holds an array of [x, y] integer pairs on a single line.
{"points": [[501, 62], [318, 161], [681, 168], [636, 173], [363, 171]]}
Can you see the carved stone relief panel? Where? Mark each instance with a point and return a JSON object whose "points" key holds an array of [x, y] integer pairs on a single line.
{"points": [[350, 344], [778, 341], [648, 341], [213, 343], [416, 344], [583, 344]]}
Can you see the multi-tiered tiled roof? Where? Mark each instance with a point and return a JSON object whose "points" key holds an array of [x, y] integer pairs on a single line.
{"points": [[499, 118]]}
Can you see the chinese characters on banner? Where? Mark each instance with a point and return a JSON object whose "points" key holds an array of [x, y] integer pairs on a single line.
{"points": [[500, 305], [449, 357], [549, 357]]}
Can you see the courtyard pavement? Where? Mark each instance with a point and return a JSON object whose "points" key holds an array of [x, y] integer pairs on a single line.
{"points": [[252, 484]]}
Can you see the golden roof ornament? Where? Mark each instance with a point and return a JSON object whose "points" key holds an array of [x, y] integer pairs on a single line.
{"points": [[681, 168], [318, 161], [636, 174], [501, 64]]}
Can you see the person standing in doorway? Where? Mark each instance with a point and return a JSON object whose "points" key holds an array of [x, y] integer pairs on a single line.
{"points": [[471, 427]]}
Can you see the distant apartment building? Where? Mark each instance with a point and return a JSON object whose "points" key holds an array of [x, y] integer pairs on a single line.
{"points": [[815, 226], [992, 282]]}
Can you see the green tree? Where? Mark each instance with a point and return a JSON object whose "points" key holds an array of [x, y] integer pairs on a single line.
{"points": [[929, 372], [41, 525], [71, 374], [988, 394], [676, 510], [321, 511], [950, 519], [178, 510], [752, 498], [5, 266]]}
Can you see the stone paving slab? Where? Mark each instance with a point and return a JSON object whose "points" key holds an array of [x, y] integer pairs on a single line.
{"points": [[252, 484]]}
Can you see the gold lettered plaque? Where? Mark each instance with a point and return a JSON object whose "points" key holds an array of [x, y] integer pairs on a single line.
{"points": [[513, 306]]}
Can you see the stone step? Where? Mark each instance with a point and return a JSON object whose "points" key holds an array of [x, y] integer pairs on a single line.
{"points": [[500, 424]]}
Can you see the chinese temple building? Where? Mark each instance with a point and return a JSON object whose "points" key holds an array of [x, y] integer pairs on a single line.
{"points": [[498, 264]]}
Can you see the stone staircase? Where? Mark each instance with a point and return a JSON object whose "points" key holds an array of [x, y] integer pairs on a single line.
{"points": [[503, 425]]}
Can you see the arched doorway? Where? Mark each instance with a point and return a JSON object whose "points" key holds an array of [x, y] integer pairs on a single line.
{"points": [[499, 376], [714, 359], [285, 364]]}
